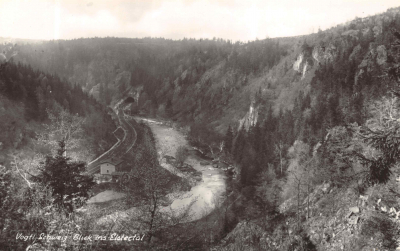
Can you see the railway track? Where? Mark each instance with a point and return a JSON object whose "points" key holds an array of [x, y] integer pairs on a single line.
{"points": [[120, 148]]}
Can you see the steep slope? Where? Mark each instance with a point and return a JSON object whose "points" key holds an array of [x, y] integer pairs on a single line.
{"points": [[37, 109], [315, 139], [207, 81], [200, 77], [337, 219]]}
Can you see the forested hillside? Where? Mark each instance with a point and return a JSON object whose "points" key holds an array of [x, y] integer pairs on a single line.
{"points": [[310, 123], [311, 82], [213, 82], [189, 80], [39, 109]]}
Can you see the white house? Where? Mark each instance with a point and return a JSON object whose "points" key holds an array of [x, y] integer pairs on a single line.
{"points": [[108, 166]]}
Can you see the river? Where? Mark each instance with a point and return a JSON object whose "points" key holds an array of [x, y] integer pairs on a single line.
{"points": [[206, 194]]}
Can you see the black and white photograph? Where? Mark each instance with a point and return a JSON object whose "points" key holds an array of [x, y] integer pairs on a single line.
{"points": [[215, 125]]}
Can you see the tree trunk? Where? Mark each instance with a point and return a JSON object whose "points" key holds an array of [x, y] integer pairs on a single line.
{"points": [[298, 204], [153, 213], [308, 200]]}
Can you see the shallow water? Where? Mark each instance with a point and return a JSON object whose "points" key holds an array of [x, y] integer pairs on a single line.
{"points": [[205, 195]]}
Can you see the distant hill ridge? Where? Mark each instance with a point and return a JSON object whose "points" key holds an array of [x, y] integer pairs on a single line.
{"points": [[207, 81]]}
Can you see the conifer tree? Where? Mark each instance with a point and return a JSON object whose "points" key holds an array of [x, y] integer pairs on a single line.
{"points": [[382, 130], [229, 139], [65, 178], [238, 145], [168, 108]]}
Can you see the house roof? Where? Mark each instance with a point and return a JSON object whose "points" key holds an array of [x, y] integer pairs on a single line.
{"points": [[113, 161]]}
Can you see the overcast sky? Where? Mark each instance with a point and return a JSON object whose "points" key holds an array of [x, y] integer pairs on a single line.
{"points": [[176, 19]]}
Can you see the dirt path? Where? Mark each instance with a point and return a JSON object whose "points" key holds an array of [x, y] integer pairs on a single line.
{"points": [[105, 196]]}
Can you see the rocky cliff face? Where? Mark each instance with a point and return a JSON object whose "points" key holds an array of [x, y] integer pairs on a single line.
{"points": [[319, 54], [375, 57], [95, 91], [298, 63], [346, 221], [250, 119], [301, 65], [328, 53], [324, 53], [381, 57]]}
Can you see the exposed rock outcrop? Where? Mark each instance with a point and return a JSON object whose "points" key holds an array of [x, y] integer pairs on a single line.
{"points": [[321, 54], [250, 119], [377, 30], [374, 56], [95, 91], [356, 53], [302, 64], [324, 53], [297, 64], [381, 57]]}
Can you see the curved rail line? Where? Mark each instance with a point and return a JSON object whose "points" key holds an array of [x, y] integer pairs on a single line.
{"points": [[134, 131], [118, 149]]}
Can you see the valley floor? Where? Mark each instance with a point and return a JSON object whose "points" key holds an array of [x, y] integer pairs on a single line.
{"points": [[205, 194]]}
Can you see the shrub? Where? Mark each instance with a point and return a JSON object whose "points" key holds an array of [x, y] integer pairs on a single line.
{"points": [[301, 242], [382, 229], [181, 155]]}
